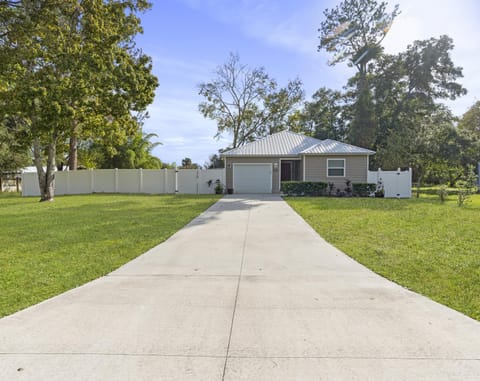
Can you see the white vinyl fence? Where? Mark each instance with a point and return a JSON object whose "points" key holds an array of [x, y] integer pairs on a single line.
{"points": [[396, 184], [152, 181]]}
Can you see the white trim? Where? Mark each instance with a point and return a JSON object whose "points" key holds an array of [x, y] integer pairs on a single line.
{"points": [[245, 164], [280, 169], [304, 164], [368, 167], [344, 167]]}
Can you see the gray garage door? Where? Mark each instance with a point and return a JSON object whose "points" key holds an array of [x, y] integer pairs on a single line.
{"points": [[252, 178]]}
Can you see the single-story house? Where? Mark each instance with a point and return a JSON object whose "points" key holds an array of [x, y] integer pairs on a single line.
{"points": [[261, 166]]}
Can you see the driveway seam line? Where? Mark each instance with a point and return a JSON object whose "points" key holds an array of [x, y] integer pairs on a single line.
{"points": [[236, 293], [241, 357]]}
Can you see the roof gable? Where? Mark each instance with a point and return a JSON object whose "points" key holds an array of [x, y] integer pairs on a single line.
{"points": [[286, 143]]}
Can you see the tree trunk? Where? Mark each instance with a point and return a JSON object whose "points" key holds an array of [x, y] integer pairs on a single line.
{"points": [[362, 130], [46, 177], [73, 151]]}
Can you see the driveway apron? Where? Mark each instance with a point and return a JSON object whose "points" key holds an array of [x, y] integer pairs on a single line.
{"points": [[246, 291]]}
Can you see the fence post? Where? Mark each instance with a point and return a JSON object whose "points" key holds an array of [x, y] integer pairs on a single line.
{"points": [[115, 177], [176, 180], [165, 180], [140, 180], [68, 182], [92, 181], [198, 179]]}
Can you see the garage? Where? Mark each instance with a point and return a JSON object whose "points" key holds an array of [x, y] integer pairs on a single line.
{"points": [[252, 178]]}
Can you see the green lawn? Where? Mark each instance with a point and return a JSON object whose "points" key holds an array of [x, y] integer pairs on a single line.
{"points": [[422, 244], [48, 248]]}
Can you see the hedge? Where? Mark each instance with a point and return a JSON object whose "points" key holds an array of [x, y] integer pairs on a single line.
{"points": [[303, 188], [363, 189]]}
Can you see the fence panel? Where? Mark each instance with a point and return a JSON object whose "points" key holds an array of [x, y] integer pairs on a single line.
{"points": [[30, 184], [153, 181], [209, 176], [103, 181], [187, 181], [129, 181]]}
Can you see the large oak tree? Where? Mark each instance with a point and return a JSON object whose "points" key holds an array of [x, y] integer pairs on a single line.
{"points": [[73, 72]]}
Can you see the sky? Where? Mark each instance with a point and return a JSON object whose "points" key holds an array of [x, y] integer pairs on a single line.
{"points": [[188, 39]]}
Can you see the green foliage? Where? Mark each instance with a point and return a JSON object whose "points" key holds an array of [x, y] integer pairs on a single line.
{"points": [[71, 71], [82, 238], [247, 103], [471, 120], [443, 192], [427, 246], [303, 188], [135, 152], [324, 117], [14, 152], [188, 164], [413, 129], [215, 161], [363, 189], [466, 186], [363, 127], [354, 30]]}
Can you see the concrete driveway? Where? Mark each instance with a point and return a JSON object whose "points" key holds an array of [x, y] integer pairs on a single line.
{"points": [[247, 291]]}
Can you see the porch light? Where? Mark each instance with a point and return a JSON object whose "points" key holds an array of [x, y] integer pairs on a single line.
{"points": [[275, 165]]}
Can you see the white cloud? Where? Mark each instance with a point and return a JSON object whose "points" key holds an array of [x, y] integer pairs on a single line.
{"points": [[181, 128]]}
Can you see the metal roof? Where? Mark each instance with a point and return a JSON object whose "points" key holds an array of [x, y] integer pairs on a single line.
{"points": [[288, 143], [329, 146]]}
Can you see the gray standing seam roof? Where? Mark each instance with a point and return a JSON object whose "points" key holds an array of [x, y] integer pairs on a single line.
{"points": [[288, 143]]}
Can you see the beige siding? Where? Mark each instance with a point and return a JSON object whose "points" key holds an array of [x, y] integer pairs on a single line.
{"points": [[253, 160], [356, 169]]}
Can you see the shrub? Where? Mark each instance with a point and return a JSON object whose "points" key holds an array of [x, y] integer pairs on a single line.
{"points": [[443, 192], [467, 185], [303, 188], [363, 189]]}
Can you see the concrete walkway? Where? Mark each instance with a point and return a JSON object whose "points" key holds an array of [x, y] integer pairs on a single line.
{"points": [[247, 291]]}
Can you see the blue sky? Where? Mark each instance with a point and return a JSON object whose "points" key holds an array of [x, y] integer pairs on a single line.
{"points": [[188, 39]]}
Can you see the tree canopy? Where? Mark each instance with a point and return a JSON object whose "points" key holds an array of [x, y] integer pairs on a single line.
{"points": [[353, 32], [246, 102], [73, 72]]}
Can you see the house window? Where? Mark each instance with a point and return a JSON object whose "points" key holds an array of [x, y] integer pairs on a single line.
{"points": [[335, 167]]}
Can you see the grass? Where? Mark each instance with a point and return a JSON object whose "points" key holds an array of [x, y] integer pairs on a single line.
{"points": [[48, 248], [422, 244]]}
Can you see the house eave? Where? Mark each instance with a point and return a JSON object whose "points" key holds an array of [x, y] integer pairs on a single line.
{"points": [[339, 154]]}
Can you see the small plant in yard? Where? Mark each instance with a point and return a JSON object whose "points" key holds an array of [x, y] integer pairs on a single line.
{"points": [[348, 188], [467, 185], [443, 192], [380, 192], [331, 186], [218, 187], [364, 189]]}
